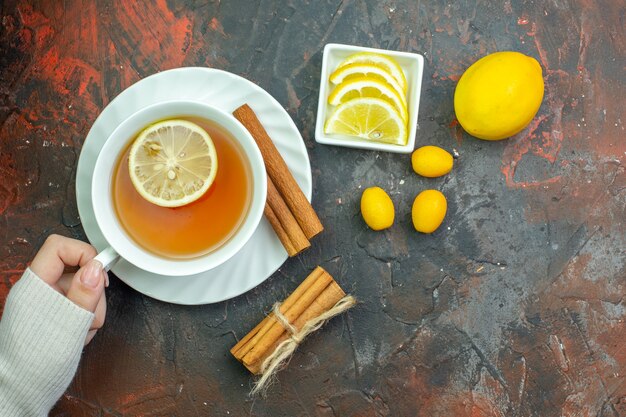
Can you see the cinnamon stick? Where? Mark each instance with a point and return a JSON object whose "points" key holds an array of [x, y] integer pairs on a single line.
{"points": [[280, 231], [317, 294], [326, 300], [284, 223], [252, 338], [279, 173], [292, 313]]}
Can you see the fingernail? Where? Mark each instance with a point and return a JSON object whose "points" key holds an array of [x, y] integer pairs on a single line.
{"points": [[106, 278], [91, 274]]}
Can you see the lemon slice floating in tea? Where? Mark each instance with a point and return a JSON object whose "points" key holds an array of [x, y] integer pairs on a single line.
{"points": [[368, 118], [172, 163]]}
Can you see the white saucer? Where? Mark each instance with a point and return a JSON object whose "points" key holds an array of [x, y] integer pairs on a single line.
{"points": [[263, 254]]}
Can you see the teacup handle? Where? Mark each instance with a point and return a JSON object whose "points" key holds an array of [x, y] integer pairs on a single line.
{"points": [[107, 258]]}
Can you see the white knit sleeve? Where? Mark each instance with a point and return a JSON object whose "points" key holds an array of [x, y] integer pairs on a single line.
{"points": [[41, 339]]}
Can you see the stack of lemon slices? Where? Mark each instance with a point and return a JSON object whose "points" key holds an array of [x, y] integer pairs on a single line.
{"points": [[369, 98]]}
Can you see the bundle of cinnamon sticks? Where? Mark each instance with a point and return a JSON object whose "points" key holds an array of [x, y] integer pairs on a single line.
{"points": [[317, 294], [289, 212]]}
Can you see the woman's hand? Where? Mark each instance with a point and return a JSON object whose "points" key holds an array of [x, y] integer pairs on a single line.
{"points": [[85, 288]]}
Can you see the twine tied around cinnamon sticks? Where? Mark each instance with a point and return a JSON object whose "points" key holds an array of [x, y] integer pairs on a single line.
{"points": [[269, 346], [273, 363]]}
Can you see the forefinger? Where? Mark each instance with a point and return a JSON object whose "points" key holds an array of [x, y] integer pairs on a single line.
{"points": [[57, 252]]}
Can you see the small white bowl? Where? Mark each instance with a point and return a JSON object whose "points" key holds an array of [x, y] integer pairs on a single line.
{"points": [[413, 67]]}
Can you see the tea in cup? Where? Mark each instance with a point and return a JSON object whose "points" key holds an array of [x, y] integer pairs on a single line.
{"points": [[193, 237]]}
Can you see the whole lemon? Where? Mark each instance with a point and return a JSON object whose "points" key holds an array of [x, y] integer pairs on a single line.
{"points": [[429, 209], [431, 161], [377, 208], [499, 95]]}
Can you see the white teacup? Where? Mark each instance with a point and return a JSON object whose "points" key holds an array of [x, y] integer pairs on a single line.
{"points": [[121, 244]]}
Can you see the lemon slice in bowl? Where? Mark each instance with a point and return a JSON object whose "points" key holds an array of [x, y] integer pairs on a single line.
{"points": [[370, 119], [368, 87], [352, 71], [380, 60], [172, 163]]}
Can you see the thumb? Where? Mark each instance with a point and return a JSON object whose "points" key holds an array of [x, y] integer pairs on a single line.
{"points": [[87, 286]]}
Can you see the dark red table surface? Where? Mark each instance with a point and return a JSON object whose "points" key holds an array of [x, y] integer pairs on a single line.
{"points": [[515, 307]]}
